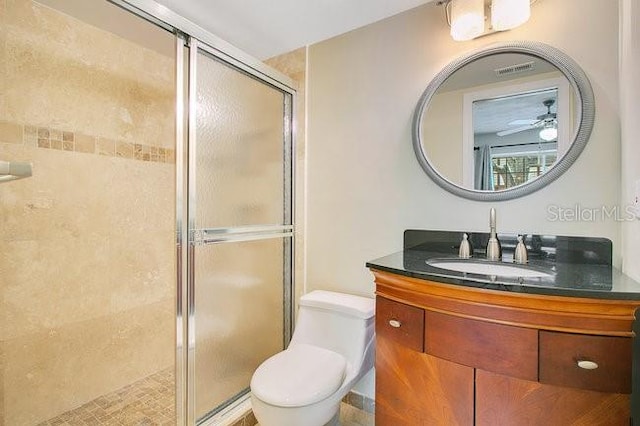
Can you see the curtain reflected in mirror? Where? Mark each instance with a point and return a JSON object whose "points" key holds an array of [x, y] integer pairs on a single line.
{"points": [[484, 169]]}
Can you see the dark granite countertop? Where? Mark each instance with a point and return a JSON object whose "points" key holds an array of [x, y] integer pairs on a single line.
{"points": [[577, 267]]}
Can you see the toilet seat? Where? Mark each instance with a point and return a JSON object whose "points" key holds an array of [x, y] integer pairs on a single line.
{"points": [[301, 375]]}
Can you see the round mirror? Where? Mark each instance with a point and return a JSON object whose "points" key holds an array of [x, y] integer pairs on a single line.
{"points": [[504, 121]]}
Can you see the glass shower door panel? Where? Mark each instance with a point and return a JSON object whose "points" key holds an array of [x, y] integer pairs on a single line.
{"points": [[239, 204], [240, 148], [239, 316]]}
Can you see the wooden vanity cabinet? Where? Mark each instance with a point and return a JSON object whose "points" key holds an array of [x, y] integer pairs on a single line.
{"points": [[408, 381], [441, 361]]}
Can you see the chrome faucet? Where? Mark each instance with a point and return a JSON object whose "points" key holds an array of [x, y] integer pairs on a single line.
{"points": [[494, 250]]}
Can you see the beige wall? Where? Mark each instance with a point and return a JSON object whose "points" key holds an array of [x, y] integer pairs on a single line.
{"points": [[365, 186], [86, 244], [630, 111]]}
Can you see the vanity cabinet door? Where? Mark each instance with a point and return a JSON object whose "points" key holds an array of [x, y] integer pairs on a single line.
{"points": [[507, 401], [413, 388]]}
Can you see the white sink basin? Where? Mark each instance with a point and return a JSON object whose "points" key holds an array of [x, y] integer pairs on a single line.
{"points": [[487, 268]]}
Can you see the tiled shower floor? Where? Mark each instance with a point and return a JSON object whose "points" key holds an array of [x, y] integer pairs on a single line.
{"points": [[149, 401]]}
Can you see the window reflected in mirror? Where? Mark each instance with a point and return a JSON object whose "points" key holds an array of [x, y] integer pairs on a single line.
{"points": [[515, 138], [509, 171], [499, 122]]}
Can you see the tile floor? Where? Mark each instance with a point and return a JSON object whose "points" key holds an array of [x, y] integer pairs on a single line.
{"points": [[150, 402], [352, 416]]}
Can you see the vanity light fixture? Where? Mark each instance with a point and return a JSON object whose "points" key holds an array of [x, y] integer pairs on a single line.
{"points": [[508, 14], [548, 132], [467, 17]]}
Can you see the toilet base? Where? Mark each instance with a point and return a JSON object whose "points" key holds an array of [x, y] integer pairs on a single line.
{"points": [[317, 414]]}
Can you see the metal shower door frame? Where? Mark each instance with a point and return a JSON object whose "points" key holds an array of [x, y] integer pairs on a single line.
{"points": [[186, 33], [196, 237]]}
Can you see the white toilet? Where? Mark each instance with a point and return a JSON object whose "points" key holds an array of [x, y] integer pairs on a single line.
{"points": [[332, 347]]}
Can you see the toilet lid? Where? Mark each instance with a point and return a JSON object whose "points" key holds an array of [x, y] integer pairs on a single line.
{"points": [[301, 375]]}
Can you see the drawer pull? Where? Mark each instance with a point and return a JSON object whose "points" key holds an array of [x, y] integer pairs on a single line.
{"points": [[395, 323], [587, 365]]}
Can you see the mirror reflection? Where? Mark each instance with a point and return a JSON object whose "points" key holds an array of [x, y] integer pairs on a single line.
{"points": [[499, 122]]}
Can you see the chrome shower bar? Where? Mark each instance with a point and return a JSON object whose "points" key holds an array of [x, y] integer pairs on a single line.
{"points": [[12, 170], [247, 233]]}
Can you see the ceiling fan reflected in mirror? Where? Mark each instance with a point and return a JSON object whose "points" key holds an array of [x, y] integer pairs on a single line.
{"points": [[548, 122]]}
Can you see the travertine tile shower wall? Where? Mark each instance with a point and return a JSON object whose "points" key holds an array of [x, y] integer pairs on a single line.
{"points": [[87, 243]]}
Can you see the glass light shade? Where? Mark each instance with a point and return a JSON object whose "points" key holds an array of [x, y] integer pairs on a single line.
{"points": [[548, 133], [467, 19], [508, 14]]}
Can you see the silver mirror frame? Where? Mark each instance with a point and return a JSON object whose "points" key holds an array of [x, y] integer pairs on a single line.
{"points": [[586, 115]]}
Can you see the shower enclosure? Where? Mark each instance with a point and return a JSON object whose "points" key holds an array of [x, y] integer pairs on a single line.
{"points": [[146, 264], [237, 167]]}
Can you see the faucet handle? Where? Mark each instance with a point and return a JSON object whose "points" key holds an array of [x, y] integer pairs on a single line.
{"points": [[494, 250], [520, 254], [492, 219], [465, 247]]}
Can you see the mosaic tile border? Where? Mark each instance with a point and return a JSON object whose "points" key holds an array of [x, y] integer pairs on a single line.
{"points": [[66, 140]]}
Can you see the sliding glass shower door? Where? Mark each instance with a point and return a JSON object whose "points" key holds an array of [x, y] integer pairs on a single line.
{"points": [[240, 227]]}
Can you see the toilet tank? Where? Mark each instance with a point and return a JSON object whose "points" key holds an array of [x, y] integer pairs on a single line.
{"points": [[340, 322]]}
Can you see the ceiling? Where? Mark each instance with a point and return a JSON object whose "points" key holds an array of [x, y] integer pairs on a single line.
{"points": [[493, 115], [268, 28], [115, 20], [260, 28]]}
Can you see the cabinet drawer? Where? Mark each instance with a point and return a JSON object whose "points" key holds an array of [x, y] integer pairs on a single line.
{"points": [[502, 349], [610, 358], [401, 323]]}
